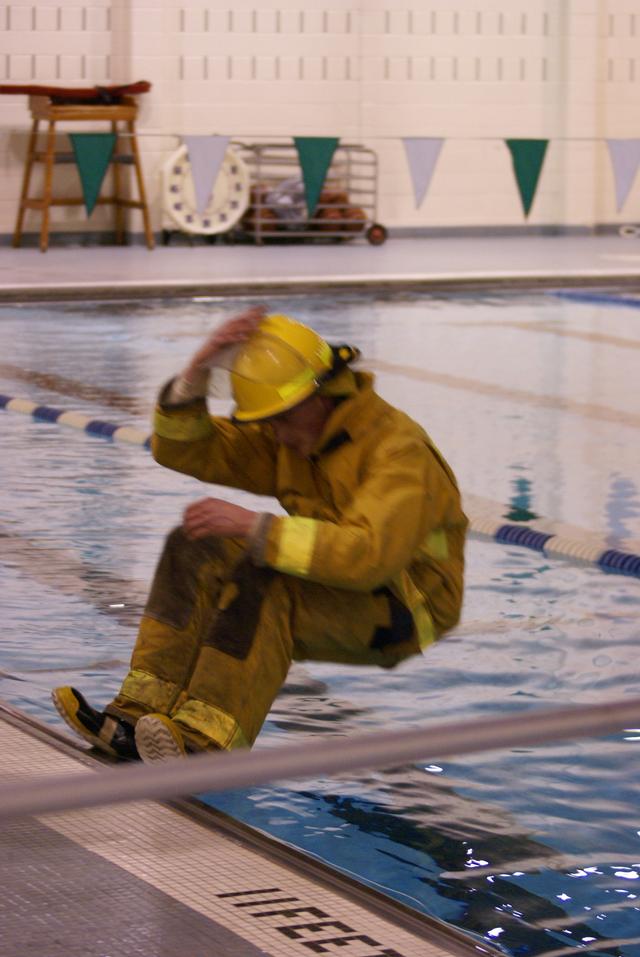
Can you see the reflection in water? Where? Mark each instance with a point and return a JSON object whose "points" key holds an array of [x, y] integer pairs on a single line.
{"points": [[60, 569], [523, 914], [520, 501], [422, 839], [307, 706], [623, 505], [71, 389]]}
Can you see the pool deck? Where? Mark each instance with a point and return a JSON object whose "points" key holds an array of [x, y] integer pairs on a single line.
{"points": [[218, 269], [155, 880]]}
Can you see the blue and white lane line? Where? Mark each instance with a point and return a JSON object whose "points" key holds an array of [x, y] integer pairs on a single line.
{"points": [[105, 430], [481, 526], [557, 545]]}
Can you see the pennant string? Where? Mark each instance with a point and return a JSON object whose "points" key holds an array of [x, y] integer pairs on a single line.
{"points": [[93, 154]]}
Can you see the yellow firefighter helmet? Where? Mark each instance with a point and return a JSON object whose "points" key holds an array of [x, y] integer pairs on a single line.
{"points": [[279, 366]]}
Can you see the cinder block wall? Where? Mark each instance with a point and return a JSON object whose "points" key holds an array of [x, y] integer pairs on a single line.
{"points": [[368, 71]]}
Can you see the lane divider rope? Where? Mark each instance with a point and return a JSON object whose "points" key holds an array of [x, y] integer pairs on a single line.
{"points": [[222, 771], [557, 546], [481, 526], [96, 427]]}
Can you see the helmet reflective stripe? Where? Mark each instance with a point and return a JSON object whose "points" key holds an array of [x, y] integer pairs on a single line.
{"points": [[286, 391]]}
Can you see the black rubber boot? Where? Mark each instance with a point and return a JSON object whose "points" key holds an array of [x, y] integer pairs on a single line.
{"points": [[110, 735]]}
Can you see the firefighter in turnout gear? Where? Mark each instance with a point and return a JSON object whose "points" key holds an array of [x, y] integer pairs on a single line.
{"points": [[363, 566]]}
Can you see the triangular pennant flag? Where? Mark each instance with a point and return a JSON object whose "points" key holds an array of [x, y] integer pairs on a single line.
{"points": [[422, 155], [206, 154], [625, 159], [93, 154], [315, 154], [527, 156]]}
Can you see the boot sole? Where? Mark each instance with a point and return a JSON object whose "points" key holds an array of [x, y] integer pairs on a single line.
{"points": [[156, 739], [70, 719]]}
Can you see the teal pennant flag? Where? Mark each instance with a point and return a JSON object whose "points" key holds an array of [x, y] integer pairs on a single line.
{"points": [[527, 157], [315, 154], [93, 153]]}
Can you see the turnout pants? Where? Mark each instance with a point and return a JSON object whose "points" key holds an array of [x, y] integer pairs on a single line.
{"points": [[218, 635]]}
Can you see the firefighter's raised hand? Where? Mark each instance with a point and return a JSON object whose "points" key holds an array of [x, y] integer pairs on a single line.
{"points": [[214, 516], [230, 333]]}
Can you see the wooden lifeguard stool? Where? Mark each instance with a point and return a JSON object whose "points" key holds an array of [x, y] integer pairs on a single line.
{"points": [[52, 109]]}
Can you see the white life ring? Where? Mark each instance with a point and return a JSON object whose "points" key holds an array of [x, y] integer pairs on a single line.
{"points": [[227, 203]]}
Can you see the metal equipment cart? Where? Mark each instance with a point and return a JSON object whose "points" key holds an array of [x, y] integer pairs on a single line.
{"points": [[277, 209]]}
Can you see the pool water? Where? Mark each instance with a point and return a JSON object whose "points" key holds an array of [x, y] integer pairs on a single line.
{"points": [[532, 398]]}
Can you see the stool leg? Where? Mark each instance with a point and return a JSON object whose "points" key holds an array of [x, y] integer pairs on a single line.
{"points": [[141, 190], [117, 184], [26, 179], [47, 187]]}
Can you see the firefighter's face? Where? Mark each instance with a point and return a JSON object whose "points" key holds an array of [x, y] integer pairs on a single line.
{"points": [[300, 428]]}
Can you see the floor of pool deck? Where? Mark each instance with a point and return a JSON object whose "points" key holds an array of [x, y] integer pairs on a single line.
{"points": [[430, 262], [154, 880], [149, 879]]}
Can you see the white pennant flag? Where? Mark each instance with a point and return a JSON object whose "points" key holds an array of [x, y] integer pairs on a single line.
{"points": [[625, 159], [422, 156], [206, 154]]}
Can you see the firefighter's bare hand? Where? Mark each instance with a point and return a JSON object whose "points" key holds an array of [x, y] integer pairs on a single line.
{"points": [[214, 516], [230, 333]]}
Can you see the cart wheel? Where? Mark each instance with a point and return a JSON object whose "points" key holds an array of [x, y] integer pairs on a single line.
{"points": [[376, 234]]}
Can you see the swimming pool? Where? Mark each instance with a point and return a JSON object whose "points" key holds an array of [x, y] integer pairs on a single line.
{"points": [[532, 399]]}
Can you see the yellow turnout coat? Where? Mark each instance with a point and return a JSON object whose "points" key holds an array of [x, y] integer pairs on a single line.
{"points": [[375, 505]]}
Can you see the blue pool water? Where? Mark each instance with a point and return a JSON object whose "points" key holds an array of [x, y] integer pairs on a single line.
{"points": [[532, 399]]}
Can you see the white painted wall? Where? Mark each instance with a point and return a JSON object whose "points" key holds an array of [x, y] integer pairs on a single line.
{"points": [[369, 71]]}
